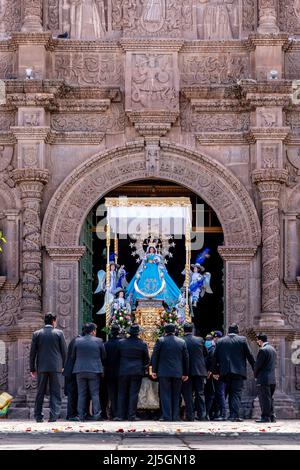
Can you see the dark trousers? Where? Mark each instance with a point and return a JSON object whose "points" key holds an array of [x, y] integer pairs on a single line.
{"points": [[112, 391], [88, 383], [194, 385], [169, 393], [265, 396], [72, 395], [128, 395], [215, 398], [233, 389], [53, 379]]}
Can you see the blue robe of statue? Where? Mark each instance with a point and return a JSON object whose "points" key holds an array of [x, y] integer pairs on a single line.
{"points": [[152, 281]]}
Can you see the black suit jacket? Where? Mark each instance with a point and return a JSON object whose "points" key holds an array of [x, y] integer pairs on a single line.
{"points": [[134, 356], [264, 370], [231, 355], [170, 357], [69, 364], [48, 350], [112, 363], [88, 354], [197, 351]]}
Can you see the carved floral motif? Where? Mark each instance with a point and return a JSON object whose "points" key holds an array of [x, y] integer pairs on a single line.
{"points": [[10, 308], [289, 16], [214, 69], [88, 68], [291, 308]]}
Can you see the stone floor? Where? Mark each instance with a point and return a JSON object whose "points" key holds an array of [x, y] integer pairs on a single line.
{"points": [[148, 435]]}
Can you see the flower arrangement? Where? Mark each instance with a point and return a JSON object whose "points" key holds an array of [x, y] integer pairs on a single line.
{"points": [[122, 317], [165, 318]]}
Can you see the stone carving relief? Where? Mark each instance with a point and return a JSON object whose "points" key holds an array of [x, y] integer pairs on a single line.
{"points": [[289, 16], [89, 68], [213, 69], [249, 15], [112, 122], [152, 159], [153, 82], [293, 120], [6, 154], [6, 65], [218, 19], [212, 122], [291, 308], [30, 383], [10, 312], [152, 17], [293, 166], [292, 65], [7, 119], [30, 156], [64, 276], [270, 156], [238, 293], [32, 262], [87, 19], [267, 117]]}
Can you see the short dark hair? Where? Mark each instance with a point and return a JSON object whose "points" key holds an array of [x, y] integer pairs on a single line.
{"points": [[188, 327], [234, 328], [50, 318], [262, 337], [89, 328], [170, 328]]}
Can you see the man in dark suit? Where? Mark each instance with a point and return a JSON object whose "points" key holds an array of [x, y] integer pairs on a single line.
{"points": [[170, 364], [134, 360], [47, 357], [229, 364], [112, 368], [89, 356], [197, 375], [264, 372]]}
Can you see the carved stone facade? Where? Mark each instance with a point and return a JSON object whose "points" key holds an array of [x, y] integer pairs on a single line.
{"points": [[199, 93]]}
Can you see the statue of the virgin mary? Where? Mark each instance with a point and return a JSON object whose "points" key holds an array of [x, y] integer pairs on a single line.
{"points": [[152, 281]]}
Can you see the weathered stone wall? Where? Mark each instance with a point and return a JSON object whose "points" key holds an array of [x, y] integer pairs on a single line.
{"points": [[150, 89]]}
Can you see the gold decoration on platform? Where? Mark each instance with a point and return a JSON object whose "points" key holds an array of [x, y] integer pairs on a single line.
{"points": [[147, 201], [146, 316]]}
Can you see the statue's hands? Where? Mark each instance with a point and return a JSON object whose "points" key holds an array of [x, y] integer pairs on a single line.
{"points": [[154, 375], [185, 378], [33, 374]]}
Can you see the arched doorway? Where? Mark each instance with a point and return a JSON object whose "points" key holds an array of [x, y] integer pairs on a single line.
{"points": [[209, 313], [215, 184]]}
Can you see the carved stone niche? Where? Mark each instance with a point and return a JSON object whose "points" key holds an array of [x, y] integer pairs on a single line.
{"points": [[81, 19]]}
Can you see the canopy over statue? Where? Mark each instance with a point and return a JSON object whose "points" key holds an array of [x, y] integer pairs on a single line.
{"points": [[156, 220]]}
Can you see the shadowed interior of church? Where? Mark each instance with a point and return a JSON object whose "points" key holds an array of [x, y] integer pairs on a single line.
{"points": [[209, 313]]}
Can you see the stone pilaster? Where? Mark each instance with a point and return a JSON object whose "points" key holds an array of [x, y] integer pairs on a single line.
{"points": [[62, 286], [267, 17], [269, 183], [32, 16], [31, 183]]}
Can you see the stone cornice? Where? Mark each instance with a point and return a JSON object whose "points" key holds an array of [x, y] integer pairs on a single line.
{"points": [[156, 45], [275, 331], [30, 175], [200, 105], [72, 253], [266, 87], [202, 46], [71, 45], [88, 138], [70, 106], [292, 284], [293, 45], [35, 86], [269, 133], [275, 175], [29, 133], [27, 38], [229, 138], [7, 46], [153, 122], [237, 253], [293, 139], [273, 39]]}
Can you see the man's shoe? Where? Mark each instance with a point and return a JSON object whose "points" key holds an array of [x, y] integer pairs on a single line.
{"points": [[117, 419], [52, 420], [263, 420], [273, 419], [236, 420], [75, 418], [39, 420], [220, 418], [134, 418]]}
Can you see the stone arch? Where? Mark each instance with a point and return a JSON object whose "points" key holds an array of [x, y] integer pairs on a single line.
{"points": [[87, 184], [90, 181]]}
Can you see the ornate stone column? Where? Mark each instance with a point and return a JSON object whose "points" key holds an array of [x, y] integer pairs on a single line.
{"points": [[267, 17], [31, 183], [32, 16], [269, 182]]}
